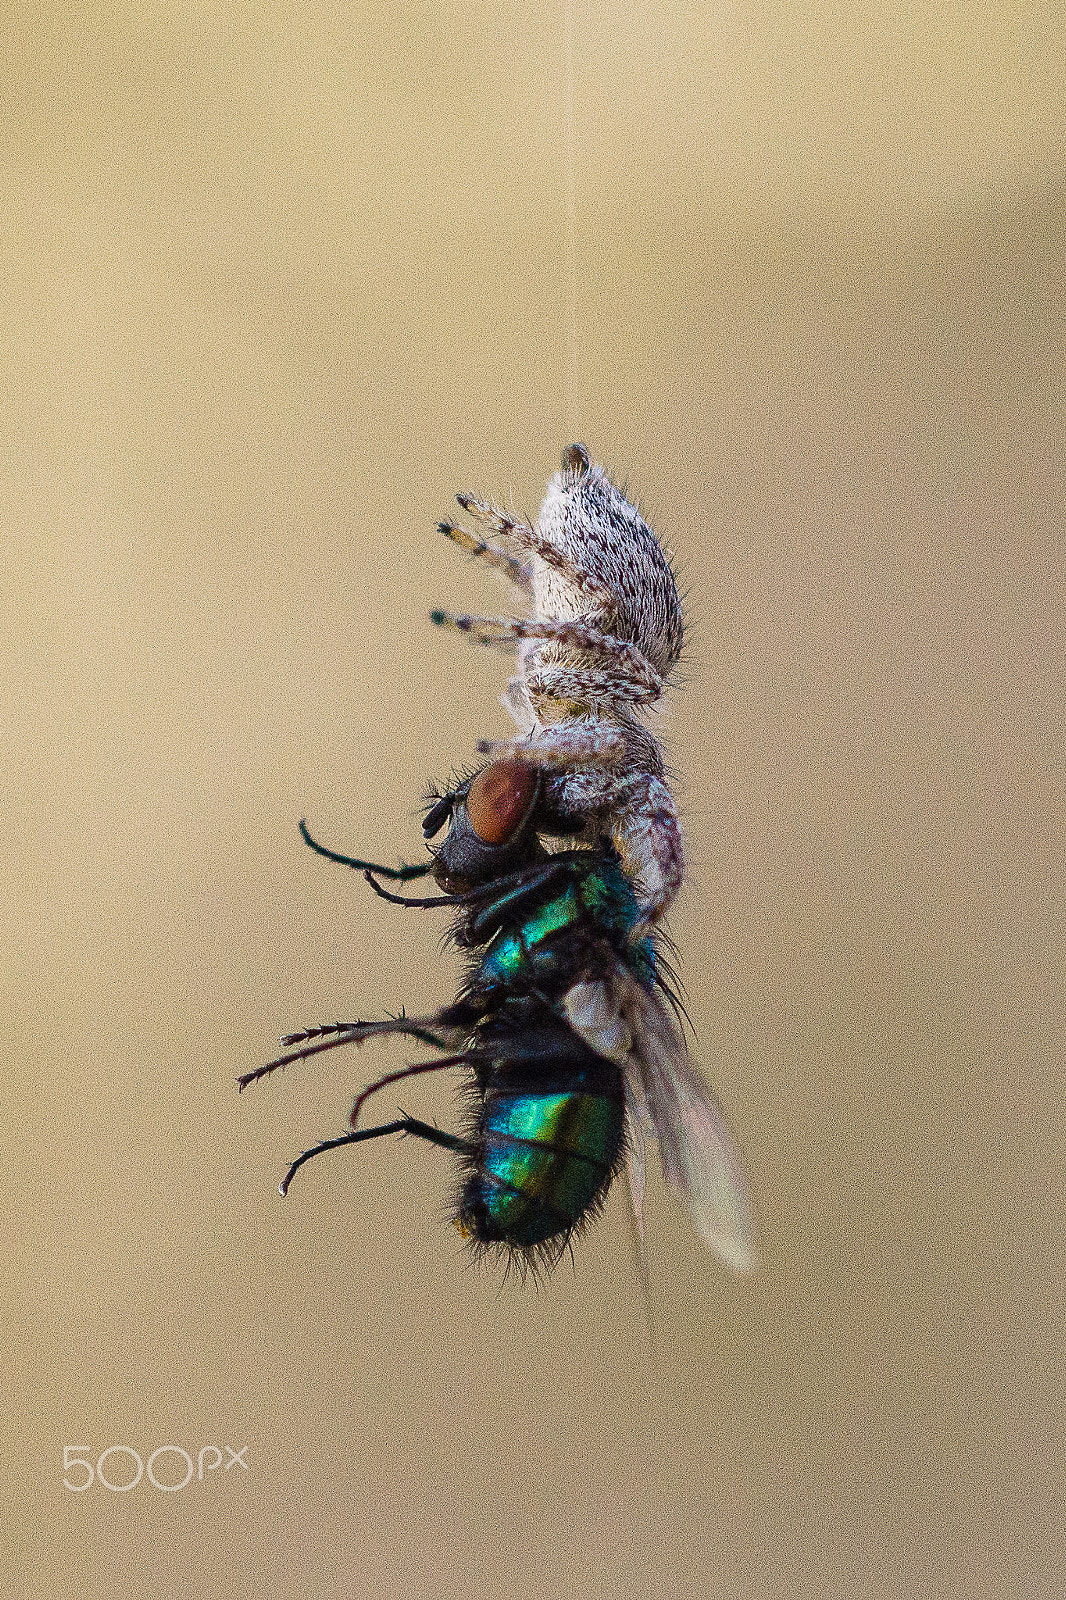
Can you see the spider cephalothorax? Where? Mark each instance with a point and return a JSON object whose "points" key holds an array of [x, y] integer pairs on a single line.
{"points": [[605, 632]]}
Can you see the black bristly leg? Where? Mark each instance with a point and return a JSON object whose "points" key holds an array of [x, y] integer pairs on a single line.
{"points": [[423, 902], [510, 895], [432, 1135], [412, 1028], [402, 873], [403, 1125], [412, 1071], [525, 879]]}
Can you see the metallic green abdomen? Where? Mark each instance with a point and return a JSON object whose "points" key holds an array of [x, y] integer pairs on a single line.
{"points": [[546, 1159], [548, 1137]]}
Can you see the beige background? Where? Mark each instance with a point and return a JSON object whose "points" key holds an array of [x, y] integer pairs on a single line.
{"points": [[276, 283]]}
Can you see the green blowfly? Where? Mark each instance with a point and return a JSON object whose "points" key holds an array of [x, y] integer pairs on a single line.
{"points": [[565, 1026]]}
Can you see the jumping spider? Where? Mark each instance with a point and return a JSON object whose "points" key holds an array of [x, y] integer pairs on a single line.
{"points": [[605, 633]]}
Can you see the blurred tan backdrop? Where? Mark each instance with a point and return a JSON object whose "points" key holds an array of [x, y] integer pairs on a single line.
{"points": [[276, 283]]}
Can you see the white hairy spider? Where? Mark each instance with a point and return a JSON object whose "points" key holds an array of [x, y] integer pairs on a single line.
{"points": [[605, 633]]}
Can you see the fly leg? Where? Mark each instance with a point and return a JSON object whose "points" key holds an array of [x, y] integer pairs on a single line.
{"points": [[337, 1033], [402, 1125], [403, 872]]}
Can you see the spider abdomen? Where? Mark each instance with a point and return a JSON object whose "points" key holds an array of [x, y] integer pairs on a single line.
{"points": [[604, 537]]}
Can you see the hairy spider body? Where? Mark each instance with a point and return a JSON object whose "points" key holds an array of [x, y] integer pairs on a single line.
{"points": [[605, 634]]}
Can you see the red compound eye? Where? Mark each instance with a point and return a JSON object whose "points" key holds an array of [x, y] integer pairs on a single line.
{"points": [[499, 798]]}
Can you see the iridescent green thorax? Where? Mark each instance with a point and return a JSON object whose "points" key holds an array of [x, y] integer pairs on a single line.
{"points": [[541, 948]]}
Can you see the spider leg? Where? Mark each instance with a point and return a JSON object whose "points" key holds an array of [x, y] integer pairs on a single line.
{"points": [[647, 835], [528, 536], [502, 523], [637, 811], [572, 634], [492, 554], [577, 578], [516, 702], [587, 686], [493, 632], [563, 746]]}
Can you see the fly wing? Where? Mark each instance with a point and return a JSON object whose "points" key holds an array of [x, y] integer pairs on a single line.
{"points": [[630, 1024], [700, 1161], [636, 1121]]}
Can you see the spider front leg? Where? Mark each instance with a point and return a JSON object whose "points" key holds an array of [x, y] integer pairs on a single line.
{"points": [[596, 596], [551, 548], [646, 832], [637, 812], [563, 747]]}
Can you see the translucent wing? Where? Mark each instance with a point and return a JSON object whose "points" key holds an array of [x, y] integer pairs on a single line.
{"points": [[636, 1121], [667, 1097]]}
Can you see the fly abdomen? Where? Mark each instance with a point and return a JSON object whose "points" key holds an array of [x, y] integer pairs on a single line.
{"points": [[548, 1140]]}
